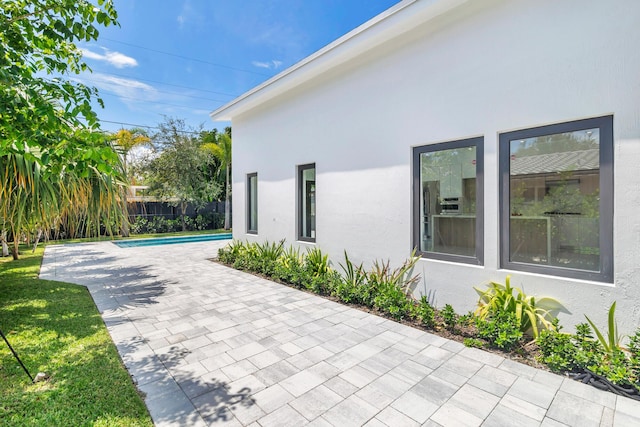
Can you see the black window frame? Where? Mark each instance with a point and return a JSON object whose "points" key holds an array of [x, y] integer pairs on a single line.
{"points": [[478, 143], [606, 171], [249, 205], [301, 196]]}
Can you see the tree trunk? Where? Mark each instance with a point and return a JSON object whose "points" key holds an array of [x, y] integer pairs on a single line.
{"points": [[14, 249], [5, 248], [227, 205], [124, 228], [183, 209], [38, 236]]}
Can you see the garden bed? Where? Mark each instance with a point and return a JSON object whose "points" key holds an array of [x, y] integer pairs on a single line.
{"points": [[507, 321]]}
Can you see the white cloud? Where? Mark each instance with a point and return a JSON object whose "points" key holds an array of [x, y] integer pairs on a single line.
{"points": [[181, 20], [128, 90], [274, 64], [117, 59]]}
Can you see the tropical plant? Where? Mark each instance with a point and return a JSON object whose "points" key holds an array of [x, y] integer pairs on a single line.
{"points": [[268, 254], [219, 145], [612, 341], [531, 314]]}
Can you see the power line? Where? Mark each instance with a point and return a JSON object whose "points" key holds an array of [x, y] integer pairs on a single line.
{"points": [[162, 91], [144, 126], [154, 102], [168, 84], [185, 57]]}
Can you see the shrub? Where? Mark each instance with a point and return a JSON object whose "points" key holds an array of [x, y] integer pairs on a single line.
{"points": [[391, 299], [267, 255], [290, 267], [424, 312], [501, 329], [473, 342], [531, 315], [349, 287], [449, 317]]}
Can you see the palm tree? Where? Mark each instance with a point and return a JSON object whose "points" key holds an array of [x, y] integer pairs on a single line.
{"points": [[82, 193], [221, 149], [126, 140]]}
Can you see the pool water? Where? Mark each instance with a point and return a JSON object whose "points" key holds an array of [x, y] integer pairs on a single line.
{"points": [[172, 240]]}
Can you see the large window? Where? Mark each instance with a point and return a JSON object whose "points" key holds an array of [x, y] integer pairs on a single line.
{"points": [[557, 199], [447, 200], [307, 202], [252, 203]]}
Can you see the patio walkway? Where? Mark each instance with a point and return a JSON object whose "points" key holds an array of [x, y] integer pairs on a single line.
{"points": [[213, 346]]}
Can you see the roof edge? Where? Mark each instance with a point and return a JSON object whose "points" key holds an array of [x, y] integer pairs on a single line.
{"points": [[389, 24]]}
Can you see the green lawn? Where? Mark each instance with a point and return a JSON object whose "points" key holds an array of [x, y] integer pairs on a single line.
{"points": [[55, 328]]}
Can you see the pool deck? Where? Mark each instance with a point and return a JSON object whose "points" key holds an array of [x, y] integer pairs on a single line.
{"points": [[209, 345]]}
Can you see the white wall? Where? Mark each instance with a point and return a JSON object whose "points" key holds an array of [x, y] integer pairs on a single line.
{"points": [[479, 70]]}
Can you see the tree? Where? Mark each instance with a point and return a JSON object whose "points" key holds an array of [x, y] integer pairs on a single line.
{"points": [[127, 140], [54, 165], [219, 145], [178, 173]]}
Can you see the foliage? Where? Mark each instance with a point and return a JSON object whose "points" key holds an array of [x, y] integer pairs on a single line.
{"points": [[56, 328], [352, 284], [219, 146], [612, 342], [179, 173], [82, 197], [449, 317], [424, 312], [57, 170], [390, 298], [473, 342], [160, 224], [501, 329], [530, 314], [267, 256]]}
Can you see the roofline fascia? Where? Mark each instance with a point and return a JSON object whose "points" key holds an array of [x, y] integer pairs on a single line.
{"points": [[390, 24]]}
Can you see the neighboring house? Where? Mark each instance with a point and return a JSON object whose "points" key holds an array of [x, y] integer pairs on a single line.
{"points": [[497, 137]]}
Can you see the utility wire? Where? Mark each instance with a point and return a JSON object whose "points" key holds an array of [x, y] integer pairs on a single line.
{"points": [[185, 57], [168, 84], [162, 91], [154, 102], [144, 126]]}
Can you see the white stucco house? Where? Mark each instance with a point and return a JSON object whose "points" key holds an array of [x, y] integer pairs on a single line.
{"points": [[497, 137]]}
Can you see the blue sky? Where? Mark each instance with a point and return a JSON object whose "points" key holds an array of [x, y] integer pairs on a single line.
{"points": [[185, 58]]}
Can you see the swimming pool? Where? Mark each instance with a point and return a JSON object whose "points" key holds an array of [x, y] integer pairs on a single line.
{"points": [[172, 240]]}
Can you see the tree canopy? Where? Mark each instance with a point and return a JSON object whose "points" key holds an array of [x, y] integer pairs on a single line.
{"points": [[55, 166], [180, 173]]}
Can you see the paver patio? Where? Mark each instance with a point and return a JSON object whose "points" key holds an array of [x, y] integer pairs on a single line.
{"points": [[209, 345]]}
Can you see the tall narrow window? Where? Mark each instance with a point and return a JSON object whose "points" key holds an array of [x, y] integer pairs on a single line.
{"points": [[307, 202], [252, 203], [447, 200], [557, 199]]}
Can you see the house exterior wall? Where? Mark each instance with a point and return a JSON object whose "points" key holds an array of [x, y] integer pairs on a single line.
{"points": [[481, 69]]}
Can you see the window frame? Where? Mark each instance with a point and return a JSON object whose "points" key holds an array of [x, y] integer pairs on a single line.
{"points": [[606, 209], [478, 143], [249, 204], [301, 195]]}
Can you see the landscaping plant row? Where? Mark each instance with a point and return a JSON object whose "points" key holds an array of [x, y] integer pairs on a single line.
{"points": [[506, 318]]}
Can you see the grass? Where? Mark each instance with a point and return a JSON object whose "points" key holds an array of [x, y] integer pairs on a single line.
{"points": [[55, 328]]}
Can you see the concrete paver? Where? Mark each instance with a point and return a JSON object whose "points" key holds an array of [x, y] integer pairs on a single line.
{"points": [[209, 345]]}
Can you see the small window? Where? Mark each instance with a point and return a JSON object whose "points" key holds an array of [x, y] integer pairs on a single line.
{"points": [[448, 200], [307, 202], [557, 199], [252, 203]]}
